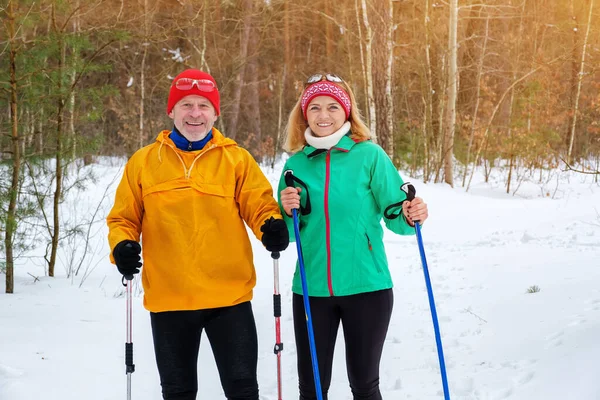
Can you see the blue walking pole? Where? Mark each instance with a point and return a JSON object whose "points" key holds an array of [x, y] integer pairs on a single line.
{"points": [[410, 195], [289, 181]]}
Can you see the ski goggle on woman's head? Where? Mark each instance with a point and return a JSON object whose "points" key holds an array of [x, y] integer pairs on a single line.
{"points": [[320, 77], [203, 85]]}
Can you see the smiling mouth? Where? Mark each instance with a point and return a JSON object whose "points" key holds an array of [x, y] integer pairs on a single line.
{"points": [[323, 125], [195, 123]]}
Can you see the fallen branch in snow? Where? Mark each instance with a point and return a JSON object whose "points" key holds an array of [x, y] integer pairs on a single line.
{"points": [[570, 168], [472, 313], [35, 278]]}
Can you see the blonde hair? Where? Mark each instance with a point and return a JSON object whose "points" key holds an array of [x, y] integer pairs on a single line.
{"points": [[296, 125]]}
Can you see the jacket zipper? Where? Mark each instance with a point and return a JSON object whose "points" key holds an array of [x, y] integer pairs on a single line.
{"points": [[327, 222], [372, 254], [187, 172]]}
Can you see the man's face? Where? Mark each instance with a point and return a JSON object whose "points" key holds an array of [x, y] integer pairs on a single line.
{"points": [[194, 116]]}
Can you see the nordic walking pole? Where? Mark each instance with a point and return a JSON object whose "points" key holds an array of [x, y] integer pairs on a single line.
{"points": [[129, 366], [289, 181], [410, 195], [277, 313]]}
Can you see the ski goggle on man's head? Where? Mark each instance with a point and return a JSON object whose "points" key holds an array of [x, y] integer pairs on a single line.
{"points": [[203, 85], [320, 77]]}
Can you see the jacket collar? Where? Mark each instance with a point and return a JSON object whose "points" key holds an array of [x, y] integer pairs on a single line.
{"points": [[217, 140], [345, 144]]}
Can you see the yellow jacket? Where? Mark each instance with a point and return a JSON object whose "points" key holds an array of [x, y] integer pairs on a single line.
{"points": [[190, 208]]}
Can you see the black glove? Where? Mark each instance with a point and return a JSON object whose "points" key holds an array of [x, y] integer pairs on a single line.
{"points": [[275, 234], [127, 257]]}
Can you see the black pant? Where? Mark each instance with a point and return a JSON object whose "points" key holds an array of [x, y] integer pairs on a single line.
{"points": [[365, 318], [232, 335]]}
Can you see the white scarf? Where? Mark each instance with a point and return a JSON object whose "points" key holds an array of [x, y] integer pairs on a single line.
{"points": [[326, 142]]}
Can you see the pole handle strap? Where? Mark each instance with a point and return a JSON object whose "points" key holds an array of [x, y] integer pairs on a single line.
{"points": [[290, 179], [410, 191]]}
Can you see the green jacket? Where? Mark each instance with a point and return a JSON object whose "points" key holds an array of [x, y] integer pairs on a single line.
{"points": [[349, 187]]}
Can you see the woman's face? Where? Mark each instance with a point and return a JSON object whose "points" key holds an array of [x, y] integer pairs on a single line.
{"points": [[325, 116]]}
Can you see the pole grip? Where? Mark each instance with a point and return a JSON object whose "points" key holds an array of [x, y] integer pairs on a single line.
{"points": [[277, 305], [130, 367], [289, 178], [410, 191]]}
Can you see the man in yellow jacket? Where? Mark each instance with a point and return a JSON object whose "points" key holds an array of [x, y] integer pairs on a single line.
{"points": [[188, 195]]}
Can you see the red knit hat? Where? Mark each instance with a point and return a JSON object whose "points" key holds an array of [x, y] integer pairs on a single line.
{"points": [[199, 83]]}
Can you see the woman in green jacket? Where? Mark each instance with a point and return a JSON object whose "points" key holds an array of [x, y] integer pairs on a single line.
{"points": [[352, 184]]}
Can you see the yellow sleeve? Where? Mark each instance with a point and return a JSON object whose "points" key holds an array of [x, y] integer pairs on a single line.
{"points": [[125, 218], [254, 194]]}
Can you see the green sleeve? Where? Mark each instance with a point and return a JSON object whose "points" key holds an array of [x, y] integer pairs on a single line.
{"points": [[386, 186]]}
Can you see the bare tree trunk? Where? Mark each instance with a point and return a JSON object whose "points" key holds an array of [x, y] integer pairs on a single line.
{"points": [[72, 96], [329, 39], [240, 78], [575, 34], [452, 90], [145, 44], [141, 135], [283, 79], [280, 112], [512, 155], [253, 88], [477, 98], [58, 154], [363, 61], [382, 75], [203, 63], [196, 33], [11, 213], [39, 135], [369, 72], [388, 77], [428, 100], [439, 145], [287, 41], [29, 129], [579, 81], [511, 145]]}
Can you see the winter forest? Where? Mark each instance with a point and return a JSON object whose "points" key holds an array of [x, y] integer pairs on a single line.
{"points": [[491, 107], [444, 86]]}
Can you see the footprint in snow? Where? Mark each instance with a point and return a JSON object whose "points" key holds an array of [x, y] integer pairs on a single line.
{"points": [[577, 322], [555, 339], [502, 394], [395, 340], [524, 378], [10, 372], [594, 305]]}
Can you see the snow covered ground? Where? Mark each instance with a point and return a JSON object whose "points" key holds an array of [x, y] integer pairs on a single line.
{"points": [[63, 339]]}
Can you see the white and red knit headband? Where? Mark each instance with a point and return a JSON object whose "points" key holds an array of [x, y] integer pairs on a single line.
{"points": [[325, 88]]}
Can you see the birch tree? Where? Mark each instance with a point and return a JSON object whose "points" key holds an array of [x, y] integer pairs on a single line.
{"points": [[368, 60], [145, 44], [449, 130], [241, 73], [579, 82], [383, 54]]}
